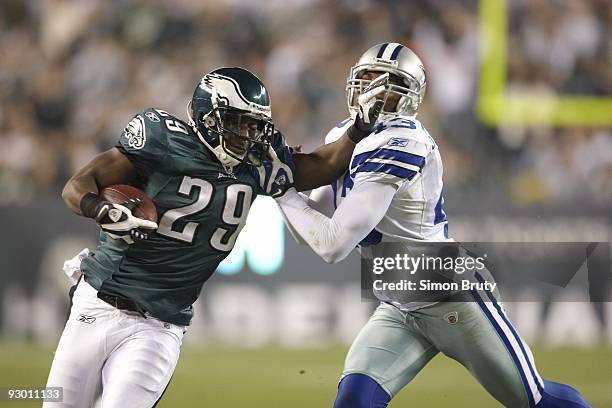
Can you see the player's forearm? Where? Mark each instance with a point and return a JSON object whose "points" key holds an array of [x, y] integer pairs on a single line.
{"points": [[315, 229], [76, 188], [324, 165], [322, 200], [328, 162], [334, 238], [107, 168]]}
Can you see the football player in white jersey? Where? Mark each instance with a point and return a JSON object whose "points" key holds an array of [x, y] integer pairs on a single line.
{"points": [[392, 192]]}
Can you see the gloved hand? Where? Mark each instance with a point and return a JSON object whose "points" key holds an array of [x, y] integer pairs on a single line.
{"points": [[119, 223], [369, 109], [275, 176], [117, 219]]}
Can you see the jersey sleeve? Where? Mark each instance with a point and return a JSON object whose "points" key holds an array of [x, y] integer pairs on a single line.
{"points": [[388, 157], [334, 238], [279, 143], [143, 142]]}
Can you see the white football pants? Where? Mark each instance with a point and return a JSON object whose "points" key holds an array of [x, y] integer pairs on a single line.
{"points": [[129, 358]]}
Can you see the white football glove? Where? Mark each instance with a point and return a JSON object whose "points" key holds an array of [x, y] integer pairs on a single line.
{"points": [[119, 223], [369, 108], [275, 177]]}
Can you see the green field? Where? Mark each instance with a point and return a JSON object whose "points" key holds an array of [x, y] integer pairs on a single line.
{"points": [[226, 377]]}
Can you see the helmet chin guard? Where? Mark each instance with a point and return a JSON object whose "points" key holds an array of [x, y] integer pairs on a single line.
{"points": [[218, 151]]}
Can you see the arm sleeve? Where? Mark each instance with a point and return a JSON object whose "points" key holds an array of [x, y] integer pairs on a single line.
{"points": [[334, 238], [320, 199]]}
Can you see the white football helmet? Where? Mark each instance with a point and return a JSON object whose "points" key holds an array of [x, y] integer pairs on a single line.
{"points": [[395, 59]]}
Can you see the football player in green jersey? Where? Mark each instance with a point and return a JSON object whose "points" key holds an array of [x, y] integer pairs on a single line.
{"points": [[135, 297]]}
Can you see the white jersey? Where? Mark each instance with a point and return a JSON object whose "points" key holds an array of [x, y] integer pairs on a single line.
{"points": [[399, 151], [391, 193]]}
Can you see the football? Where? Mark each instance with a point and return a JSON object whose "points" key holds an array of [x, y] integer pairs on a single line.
{"points": [[119, 193]]}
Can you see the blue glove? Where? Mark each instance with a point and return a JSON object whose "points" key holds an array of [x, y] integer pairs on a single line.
{"points": [[274, 175]]}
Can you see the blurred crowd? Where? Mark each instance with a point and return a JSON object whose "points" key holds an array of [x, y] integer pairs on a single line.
{"points": [[73, 73]]}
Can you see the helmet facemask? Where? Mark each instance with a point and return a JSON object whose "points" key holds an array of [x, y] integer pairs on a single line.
{"points": [[408, 98], [242, 135]]}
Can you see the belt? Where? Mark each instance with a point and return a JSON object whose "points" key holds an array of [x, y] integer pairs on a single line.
{"points": [[122, 303]]}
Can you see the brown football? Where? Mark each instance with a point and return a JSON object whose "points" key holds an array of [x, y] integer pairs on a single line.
{"points": [[119, 193]]}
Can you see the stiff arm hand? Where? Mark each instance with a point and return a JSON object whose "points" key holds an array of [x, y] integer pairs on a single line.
{"points": [[369, 109], [274, 175]]}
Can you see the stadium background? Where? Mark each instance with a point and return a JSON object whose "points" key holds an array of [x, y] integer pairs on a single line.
{"points": [[518, 100]]}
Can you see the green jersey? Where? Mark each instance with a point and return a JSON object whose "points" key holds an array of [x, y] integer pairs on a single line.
{"points": [[201, 206]]}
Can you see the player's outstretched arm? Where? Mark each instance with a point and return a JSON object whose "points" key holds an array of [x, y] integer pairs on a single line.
{"points": [[331, 238], [328, 162], [107, 168], [334, 238], [324, 165]]}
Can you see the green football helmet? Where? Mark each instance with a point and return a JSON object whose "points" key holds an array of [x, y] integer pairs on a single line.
{"points": [[231, 113]]}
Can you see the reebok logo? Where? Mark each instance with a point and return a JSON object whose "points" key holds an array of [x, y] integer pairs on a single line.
{"points": [[397, 141], [86, 319], [152, 117]]}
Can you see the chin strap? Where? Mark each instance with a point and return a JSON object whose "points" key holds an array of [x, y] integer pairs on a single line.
{"points": [[225, 158], [219, 153]]}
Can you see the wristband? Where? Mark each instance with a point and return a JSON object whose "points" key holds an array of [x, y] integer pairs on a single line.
{"points": [[356, 134], [90, 205]]}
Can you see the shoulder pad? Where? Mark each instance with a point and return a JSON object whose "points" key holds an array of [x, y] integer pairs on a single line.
{"points": [[144, 129], [154, 115], [144, 140], [166, 122], [402, 133], [396, 151]]}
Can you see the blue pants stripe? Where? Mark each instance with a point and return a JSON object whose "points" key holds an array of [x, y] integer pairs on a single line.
{"points": [[508, 345]]}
